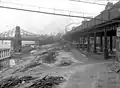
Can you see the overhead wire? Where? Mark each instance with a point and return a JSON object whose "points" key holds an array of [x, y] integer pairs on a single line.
{"points": [[88, 2], [96, 3], [53, 9], [44, 7], [68, 15]]}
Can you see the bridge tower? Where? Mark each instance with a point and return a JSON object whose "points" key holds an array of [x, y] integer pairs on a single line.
{"points": [[17, 43]]}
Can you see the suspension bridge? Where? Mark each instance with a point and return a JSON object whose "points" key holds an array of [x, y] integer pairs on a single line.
{"points": [[17, 35]]}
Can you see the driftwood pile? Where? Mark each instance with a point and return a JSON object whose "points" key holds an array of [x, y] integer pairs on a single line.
{"points": [[45, 82], [13, 82]]}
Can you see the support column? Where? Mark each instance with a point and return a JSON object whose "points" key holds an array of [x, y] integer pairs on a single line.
{"points": [[0, 54], [105, 44], [79, 43], [83, 43], [111, 44], [101, 44], [95, 43], [88, 44]]}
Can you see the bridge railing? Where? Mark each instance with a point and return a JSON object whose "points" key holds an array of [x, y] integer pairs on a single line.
{"points": [[5, 53]]}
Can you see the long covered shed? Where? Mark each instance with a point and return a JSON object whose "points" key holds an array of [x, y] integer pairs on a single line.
{"points": [[102, 27]]}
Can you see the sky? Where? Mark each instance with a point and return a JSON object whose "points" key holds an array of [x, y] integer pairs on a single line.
{"points": [[44, 23]]}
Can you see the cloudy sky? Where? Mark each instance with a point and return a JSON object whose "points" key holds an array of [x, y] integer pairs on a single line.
{"points": [[45, 23]]}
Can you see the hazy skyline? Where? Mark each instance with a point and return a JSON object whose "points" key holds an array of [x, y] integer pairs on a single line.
{"points": [[44, 23]]}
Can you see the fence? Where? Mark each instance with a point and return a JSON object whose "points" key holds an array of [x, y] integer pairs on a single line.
{"points": [[5, 53]]}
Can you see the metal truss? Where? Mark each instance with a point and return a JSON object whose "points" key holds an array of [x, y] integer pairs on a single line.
{"points": [[24, 33]]}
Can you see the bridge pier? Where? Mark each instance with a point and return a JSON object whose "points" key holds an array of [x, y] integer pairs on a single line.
{"points": [[17, 40]]}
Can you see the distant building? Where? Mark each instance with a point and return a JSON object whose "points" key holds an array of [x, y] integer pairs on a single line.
{"points": [[27, 43]]}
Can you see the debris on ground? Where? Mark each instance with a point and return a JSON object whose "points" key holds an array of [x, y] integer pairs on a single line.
{"points": [[66, 47], [114, 67], [39, 52], [50, 58], [29, 66], [12, 82], [65, 62], [107, 80], [33, 63], [12, 62], [47, 82], [37, 64]]}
